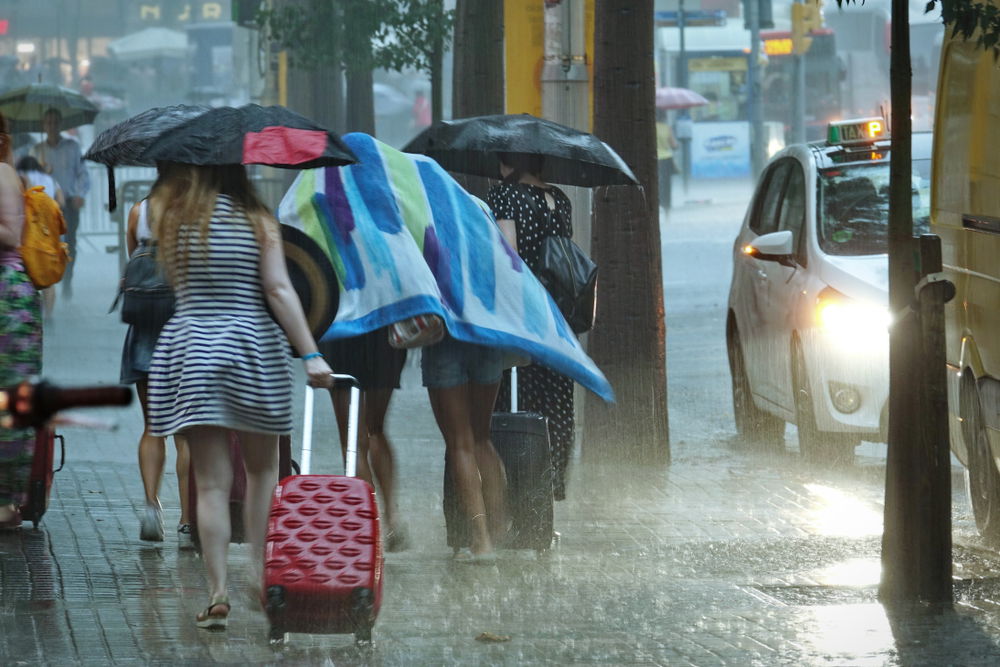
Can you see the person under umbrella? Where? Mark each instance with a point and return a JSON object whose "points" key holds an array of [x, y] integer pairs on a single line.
{"points": [[221, 362], [530, 153], [60, 155], [529, 210], [407, 240]]}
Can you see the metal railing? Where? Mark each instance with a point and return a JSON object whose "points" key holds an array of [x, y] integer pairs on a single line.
{"points": [[132, 184]]}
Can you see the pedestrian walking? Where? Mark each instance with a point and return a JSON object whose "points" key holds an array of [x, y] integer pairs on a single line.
{"points": [[222, 362], [665, 147], [60, 156], [462, 380], [529, 210], [137, 353], [20, 334], [377, 367], [33, 174]]}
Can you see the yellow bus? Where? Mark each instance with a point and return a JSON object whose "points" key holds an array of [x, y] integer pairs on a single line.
{"points": [[965, 213]]}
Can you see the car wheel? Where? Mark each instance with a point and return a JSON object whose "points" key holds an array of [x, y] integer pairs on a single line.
{"points": [[814, 445], [982, 476], [753, 424]]}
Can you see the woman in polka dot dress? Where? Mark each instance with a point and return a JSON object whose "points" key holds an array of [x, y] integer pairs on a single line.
{"points": [[529, 210]]}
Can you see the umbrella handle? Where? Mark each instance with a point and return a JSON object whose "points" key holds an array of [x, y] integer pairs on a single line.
{"points": [[112, 195]]}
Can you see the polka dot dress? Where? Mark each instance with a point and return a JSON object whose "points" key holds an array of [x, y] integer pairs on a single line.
{"points": [[539, 389]]}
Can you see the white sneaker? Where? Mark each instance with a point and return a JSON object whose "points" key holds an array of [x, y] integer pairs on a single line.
{"points": [[151, 525]]}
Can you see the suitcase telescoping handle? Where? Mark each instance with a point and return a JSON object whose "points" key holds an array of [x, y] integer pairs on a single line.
{"points": [[339, 382], [513, 388]]}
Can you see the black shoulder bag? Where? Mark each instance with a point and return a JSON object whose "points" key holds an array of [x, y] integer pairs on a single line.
{"points": [[570, 277], [146, 297]]}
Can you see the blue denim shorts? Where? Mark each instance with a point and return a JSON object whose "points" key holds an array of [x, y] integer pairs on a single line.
{"points": [[452, 363]]}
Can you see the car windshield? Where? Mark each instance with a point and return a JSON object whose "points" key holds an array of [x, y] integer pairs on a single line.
{"points": [[853, 207]]}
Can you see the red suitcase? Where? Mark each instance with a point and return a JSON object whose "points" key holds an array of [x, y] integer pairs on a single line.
{"points": [[42, 471], [323, 554]]}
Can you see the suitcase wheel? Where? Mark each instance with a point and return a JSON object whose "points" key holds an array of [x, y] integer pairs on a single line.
{"points": [[274, 605], [274, 600], [362, 611]]}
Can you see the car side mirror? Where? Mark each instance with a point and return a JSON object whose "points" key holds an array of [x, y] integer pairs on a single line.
{"points": [[773, 247]]}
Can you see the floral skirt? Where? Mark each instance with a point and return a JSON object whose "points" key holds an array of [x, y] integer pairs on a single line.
{"points": [[20, 358]]}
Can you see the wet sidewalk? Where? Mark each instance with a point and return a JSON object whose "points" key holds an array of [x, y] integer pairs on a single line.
{"points": [[727, 557]]}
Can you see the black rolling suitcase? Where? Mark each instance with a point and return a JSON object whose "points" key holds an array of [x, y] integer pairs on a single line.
{"points": [[522, 442]]}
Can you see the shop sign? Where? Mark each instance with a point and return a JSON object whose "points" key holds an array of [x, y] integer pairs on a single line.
{"points": [[182, 12]]}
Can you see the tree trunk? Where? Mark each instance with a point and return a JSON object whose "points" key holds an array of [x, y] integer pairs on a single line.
{"points": [[916, 548], [317, 93], [360, 101], [437, 66], [478, 77], [478, 72], [628, 341]]}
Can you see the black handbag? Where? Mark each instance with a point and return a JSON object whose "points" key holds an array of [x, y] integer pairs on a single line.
{"points": [[146, 297], [570, 276]]}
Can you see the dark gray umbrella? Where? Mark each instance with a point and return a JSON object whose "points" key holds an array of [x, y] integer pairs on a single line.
{"points": [[24, 107], [251, 134], [473, 145], [123, 144]]}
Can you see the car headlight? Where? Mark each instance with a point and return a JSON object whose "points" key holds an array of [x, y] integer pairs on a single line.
{"points": [[850, 320]]}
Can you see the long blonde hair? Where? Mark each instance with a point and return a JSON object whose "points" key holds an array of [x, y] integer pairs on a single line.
{"points": [[183, 199]]}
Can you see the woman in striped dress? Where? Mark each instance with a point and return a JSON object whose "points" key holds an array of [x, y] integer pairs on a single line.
{"points": [[222, 362]]}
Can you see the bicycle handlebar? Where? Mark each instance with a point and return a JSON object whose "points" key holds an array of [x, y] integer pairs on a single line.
{"points": [[32, 402]]}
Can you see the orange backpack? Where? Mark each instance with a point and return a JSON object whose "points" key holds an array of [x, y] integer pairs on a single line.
{"points": [[44, 254]]}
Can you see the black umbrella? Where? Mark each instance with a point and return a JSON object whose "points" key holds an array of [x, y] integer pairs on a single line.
{"points": [[251, 134], [124, 143], [24, 107], [472, 146]]}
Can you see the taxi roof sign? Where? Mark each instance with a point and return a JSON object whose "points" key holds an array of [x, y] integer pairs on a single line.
{"points": [[856, 131]]}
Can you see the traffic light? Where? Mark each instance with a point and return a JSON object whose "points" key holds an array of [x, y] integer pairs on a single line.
{"points": [[806, 17], [244, 13]]}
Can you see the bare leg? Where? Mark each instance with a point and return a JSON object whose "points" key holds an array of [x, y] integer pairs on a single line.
{"points": [[183, 463], [152, 453], [260, 456], [214, 478], [341, 404], [382, 461], [491, 471], [452, 407]]}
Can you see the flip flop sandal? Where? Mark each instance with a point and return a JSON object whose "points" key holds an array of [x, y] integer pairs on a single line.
{"points": [[217, 620]]}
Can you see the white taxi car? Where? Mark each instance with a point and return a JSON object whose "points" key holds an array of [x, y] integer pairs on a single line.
{"points": [[807, 322]]}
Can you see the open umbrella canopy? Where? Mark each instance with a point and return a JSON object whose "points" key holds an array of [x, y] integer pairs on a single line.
{"points": [[150, 43], [678, 98], [472, 146], [251, 134], [123, 144], [24, 107]]}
